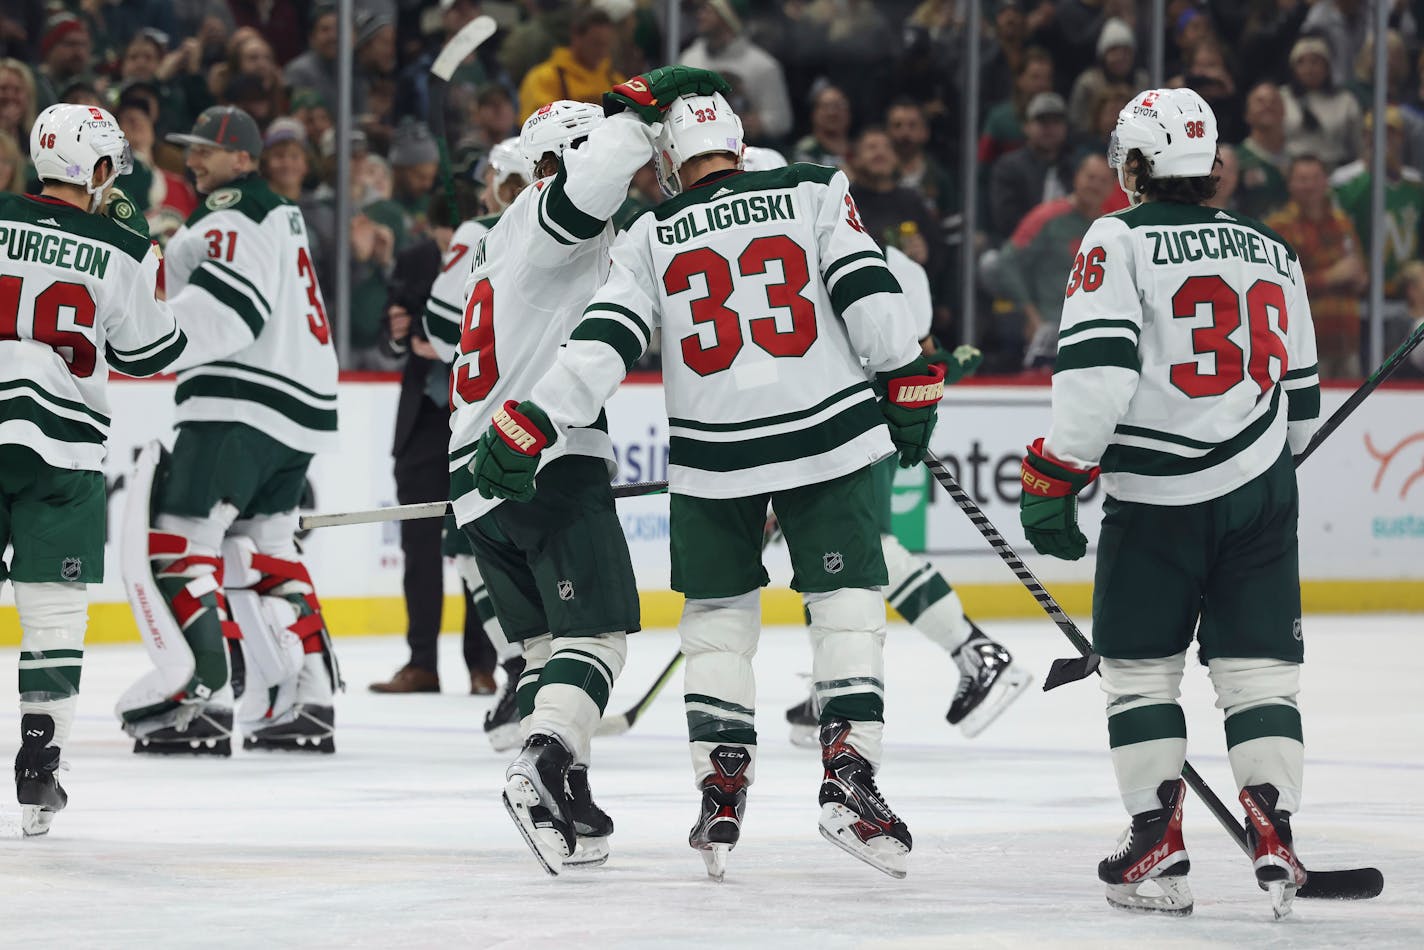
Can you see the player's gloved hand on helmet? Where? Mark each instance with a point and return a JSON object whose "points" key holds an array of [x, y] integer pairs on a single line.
{"points": [[909, 400], [121, 208], [507, 456], [650, 94], [959, 363], [1048, 507]]}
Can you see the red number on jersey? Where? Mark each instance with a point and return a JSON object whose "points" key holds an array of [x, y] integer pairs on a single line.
{"points": [[74, 347], [787, 294], [477, 340], [457, 251], [215, 239], [726, 324], [1087, 272], [316, 317], [1231, 362]]}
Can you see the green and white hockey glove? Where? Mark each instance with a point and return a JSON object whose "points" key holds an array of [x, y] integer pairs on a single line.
{"points": [[909, 401], [507, 457], [959, 364], [1048, 507], [120, 208], [650, 94]]}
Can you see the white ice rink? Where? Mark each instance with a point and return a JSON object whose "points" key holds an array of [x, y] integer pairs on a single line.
{"points": [[399, 839]]}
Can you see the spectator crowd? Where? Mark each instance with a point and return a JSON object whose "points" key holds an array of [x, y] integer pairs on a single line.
{"points": [[875, 87]]}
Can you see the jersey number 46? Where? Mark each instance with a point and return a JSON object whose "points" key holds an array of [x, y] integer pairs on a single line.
{"points": [[74, 347]]}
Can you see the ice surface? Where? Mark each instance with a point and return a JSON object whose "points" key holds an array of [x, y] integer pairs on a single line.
{"points": [[399, 838]]}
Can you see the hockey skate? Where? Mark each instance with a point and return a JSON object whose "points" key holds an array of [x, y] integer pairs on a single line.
{"points": [[1268, 831], [592, 826], [854, 816], [1151, 849], [502, 719], [724, 800], [306, 725], [537, 799], [805, 721], [36, 785], [988, 683], [191, 729]]}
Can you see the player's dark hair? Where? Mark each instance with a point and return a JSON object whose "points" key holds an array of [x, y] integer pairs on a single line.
{"points": [[1186, 191]]}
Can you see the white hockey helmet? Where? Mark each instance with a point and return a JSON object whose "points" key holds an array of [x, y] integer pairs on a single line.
{"points": [[1174, 129], [757, 159], [68, 141], [695, 125], [504, 162], [553, 128]]}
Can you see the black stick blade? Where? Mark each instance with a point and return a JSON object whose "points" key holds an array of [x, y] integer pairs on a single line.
{"points": [[1070, 670], [1354, 884]]}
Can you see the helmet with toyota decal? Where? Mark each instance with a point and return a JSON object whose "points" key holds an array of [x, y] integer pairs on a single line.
{"points": [[1174, 129], [68, 142], [556, 128], [692, 126]]}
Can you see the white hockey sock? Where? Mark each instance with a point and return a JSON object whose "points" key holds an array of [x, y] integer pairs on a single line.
{"points": [[536, 652], [848, 664], [1263, 730], [923, 597], [719, 639], [1146, 728], [574, 688], [53, 618], [469, 572]]}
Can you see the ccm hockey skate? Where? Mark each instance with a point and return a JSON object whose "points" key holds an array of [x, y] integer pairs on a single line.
{"points": [[1268, 831], [854, 817], [724, 800], [537, 798], [36, 786], [988, 683], [502, 719], [1152, 850], [592, 826]]}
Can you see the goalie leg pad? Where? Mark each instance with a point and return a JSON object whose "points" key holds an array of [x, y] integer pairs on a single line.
{"points": [[52, 621], [923, 597], [1146, 728], [574, 687], [848, 664], [1263, 730], [719, 638]]}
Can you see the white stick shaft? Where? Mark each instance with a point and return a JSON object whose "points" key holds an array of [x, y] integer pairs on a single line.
{"points": [[432, 509]]}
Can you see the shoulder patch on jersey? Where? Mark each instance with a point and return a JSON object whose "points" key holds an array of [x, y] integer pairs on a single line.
{"points": [[223, 198]]}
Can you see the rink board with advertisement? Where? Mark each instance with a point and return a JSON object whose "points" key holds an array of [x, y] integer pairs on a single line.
{"points": [[1361, 527]]}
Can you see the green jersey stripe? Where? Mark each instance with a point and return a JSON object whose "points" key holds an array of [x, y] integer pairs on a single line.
{"points": [[278, 377], [48, 397], [251, 287], [1302, 373], [25, 408], [452, 312], [1303, 403], [638, 321], [226, 387], [819, 439], [568, 216], [1145, 433], [612, 333], [143, 351], [769, 420], [442, 329], [1087, 325], [1103, 351], [860, 284], [1135, 460], [148, 365], [236, 301], [829, 272]]}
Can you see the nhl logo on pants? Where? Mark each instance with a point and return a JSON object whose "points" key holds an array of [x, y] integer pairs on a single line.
{"points": [[70, 568], [833, 562], [566, 590]]}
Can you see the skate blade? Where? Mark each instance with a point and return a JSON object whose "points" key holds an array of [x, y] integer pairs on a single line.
{"points": [[806, 737], [1282, 897], [715, 857], [888, 855], [1008, 687], [588, 853], [519, 797], [191, 747], [320, 745], [1174, 901], [35, 820], [504, 738]]}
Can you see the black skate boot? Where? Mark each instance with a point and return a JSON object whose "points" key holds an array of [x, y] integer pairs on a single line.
{"points": [[1152, 850], [988, 683], [724, 800], [1268, 831], [537, 798], [36, 786], [207, 733], [854, 817], [310, 728], [592, 826], [805, 720], [502, 719]]}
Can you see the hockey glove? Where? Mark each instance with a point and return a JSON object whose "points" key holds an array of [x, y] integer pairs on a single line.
{"points": [[120, 208], [1048, 507], [909, 400], [959, 364], [507, 457], [650, 94]]}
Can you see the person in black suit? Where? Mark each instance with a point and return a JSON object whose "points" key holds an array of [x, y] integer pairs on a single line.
{"points": [[422, 441]]}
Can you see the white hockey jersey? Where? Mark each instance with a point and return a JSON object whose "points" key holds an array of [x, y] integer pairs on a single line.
{"points": [[240, 277], [76, 300], [446, 303], [769, 295], [532, 275], [915, 285], [1186, 354]]}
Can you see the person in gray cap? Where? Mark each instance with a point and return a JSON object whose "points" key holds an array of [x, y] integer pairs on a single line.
{"points": [[1039, 171], [216, 561], [1117, 57]]}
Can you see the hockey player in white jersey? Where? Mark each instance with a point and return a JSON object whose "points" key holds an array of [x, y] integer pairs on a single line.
{"points": [[555, 563], [210, 552], [769, 295], [77, 299], [1186, 376]]}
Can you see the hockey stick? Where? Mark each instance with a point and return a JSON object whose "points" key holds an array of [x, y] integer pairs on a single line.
{"points": [[1347, 884], [1358, 396], [439, 509], [620, 723], [470, 38]]}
